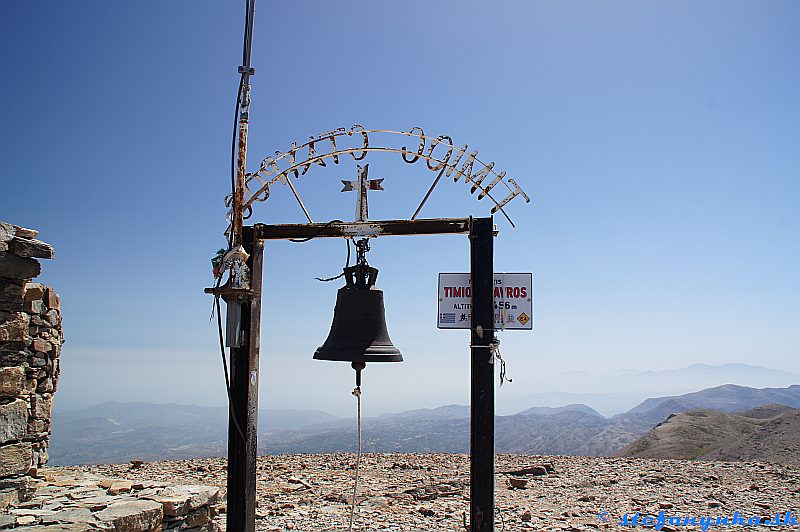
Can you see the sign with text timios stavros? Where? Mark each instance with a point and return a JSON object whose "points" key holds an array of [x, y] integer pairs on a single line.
{"points": [[513, 301]]}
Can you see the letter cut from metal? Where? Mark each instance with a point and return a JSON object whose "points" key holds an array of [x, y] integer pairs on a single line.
{"points": [[448, 161]]}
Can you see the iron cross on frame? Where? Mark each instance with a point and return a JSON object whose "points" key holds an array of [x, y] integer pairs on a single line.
{"points": [[362, 186]]}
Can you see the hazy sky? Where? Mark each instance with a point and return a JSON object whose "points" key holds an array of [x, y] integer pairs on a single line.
{"points": [[658, 140]]}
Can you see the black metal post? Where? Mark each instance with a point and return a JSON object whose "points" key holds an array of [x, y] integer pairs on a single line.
{"points": [[241, 511], [481, 439]]}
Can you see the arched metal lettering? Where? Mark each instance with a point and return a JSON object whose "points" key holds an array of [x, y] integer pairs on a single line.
{"points": [[439, 154]]}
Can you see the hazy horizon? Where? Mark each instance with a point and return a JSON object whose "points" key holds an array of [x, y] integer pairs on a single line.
{"points": [[607, 401]]}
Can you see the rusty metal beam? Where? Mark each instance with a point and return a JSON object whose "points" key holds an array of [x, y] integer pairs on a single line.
{"points": [[338, 229]]}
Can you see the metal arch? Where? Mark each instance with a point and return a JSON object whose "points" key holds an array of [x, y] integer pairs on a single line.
{"points": [[258, 183]]}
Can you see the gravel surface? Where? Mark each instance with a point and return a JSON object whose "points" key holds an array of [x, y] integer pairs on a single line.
{"points": [[431, 491]]}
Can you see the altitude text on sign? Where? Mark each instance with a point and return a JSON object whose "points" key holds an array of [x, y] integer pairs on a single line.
{"points": [[513, 301]]}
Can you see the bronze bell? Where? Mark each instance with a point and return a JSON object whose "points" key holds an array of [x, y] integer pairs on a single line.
{"points": [[358, 332]]}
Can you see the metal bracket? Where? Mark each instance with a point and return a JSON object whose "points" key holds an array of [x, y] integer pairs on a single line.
{"points": [[233, 298]]}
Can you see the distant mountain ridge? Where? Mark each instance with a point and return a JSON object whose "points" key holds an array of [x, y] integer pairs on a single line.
{"points": [[725, 398], [115, 432], [613, 392], [722, 371], [139, 412], [550, 410], [442, 412]]}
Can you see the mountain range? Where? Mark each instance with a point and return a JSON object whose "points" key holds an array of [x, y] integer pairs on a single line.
{"points": [[615, 391], [726, 398], [116, 432]]}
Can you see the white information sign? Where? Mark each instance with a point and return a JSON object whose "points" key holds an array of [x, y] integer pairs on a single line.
{"points": [[513, 301]]}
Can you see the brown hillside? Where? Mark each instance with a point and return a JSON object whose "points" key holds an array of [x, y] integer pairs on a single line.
{"points": [[713, 435], [766, 411], [777, 440]]}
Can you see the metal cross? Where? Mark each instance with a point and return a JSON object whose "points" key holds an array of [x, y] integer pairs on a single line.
{"points": [[362, 186]]}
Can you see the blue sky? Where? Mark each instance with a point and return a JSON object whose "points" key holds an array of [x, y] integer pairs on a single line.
{"points": [[658, 141]]}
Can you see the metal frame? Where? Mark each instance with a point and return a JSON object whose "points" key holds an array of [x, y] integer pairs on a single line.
{"points": [[244, 359]]}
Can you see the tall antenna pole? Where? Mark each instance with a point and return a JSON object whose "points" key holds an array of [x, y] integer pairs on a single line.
{"points": [[244, 110]]}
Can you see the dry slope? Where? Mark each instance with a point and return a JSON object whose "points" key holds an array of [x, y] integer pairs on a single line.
{"points": [[769, 433]]}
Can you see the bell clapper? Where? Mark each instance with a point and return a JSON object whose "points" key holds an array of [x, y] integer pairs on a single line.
{"points": [[358, 366]]}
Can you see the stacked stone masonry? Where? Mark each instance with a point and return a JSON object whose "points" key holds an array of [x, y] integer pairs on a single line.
{"points": [[30, 346], [31, 498]]}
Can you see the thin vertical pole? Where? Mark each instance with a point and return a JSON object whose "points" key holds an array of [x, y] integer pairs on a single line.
{"points": [[482, 377], [244, 116], [241, 163], [241, 511]]}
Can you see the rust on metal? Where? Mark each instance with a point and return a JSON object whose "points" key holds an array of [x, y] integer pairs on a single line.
{"points": [[237, 216]]}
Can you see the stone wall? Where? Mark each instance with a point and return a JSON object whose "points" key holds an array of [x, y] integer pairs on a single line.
{"points": [[30, 345]]}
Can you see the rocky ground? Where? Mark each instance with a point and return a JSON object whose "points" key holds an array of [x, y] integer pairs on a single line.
{"points": [[430, 492]]}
